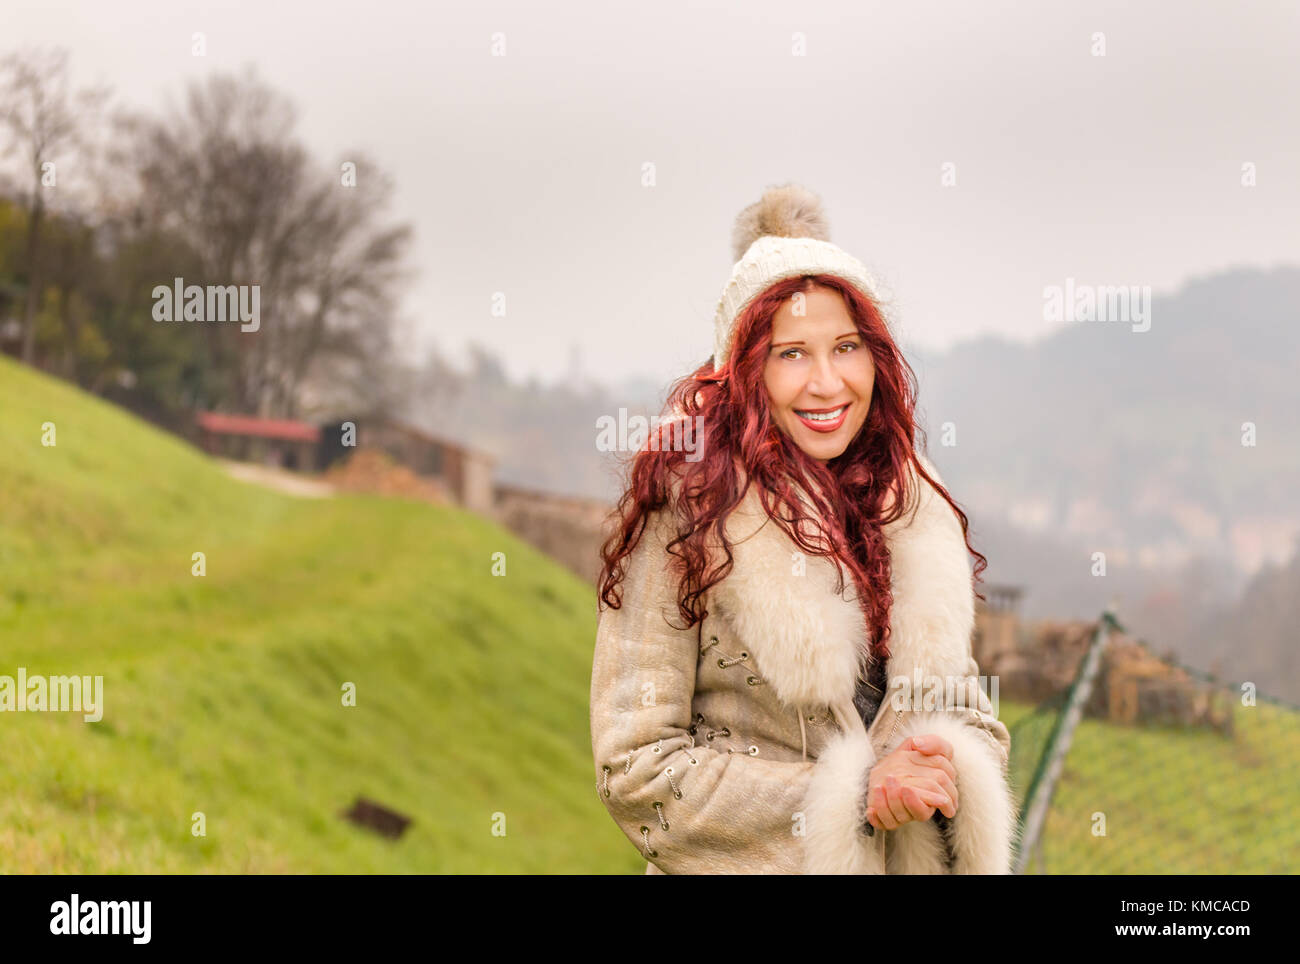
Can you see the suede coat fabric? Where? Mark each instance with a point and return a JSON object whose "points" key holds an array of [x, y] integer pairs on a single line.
{"points": [[735, 746]]}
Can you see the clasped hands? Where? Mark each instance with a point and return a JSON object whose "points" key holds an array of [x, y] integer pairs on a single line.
{"points": [[912, 782]]}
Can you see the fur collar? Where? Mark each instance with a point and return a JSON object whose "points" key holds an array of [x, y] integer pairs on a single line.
{"points": [[808, 642]]}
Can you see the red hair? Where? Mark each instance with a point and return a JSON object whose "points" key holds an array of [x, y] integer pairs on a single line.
{"points": [[737, 426]]}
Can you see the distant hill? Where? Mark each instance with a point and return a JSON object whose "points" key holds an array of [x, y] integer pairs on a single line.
{"points": [[1257, 636], [1131, 442], [1100, 438]]}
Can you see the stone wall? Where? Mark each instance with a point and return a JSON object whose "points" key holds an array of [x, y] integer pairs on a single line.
{"points": [[566, 528]]}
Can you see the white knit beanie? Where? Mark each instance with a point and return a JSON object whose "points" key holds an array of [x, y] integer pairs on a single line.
{"points": [[784, 235]]}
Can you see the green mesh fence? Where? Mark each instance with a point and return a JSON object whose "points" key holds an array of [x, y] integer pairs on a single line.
{"points": [[1183, 774]]}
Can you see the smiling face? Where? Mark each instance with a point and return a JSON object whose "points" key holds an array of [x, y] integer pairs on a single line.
{"points": [[819, 374]]}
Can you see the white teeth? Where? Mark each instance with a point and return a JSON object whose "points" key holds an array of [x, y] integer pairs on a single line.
{"points": [[822, 416]]}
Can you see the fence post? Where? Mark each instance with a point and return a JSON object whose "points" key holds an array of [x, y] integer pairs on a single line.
{"points": [[1039, 795]]}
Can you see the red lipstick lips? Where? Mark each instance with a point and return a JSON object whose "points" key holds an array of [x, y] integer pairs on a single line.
{"points": [[823, 425]]}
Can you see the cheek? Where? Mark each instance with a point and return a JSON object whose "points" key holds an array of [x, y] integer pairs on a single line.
{"points": [[863, 386], [865, 380], [781, 391]]}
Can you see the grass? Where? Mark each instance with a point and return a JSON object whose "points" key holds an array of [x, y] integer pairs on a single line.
{"points": [[223, 692], [1163, 799]]}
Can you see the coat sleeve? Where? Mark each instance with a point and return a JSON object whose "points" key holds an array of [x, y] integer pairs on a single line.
{"points": [[934, 615], [981, 837], [692, 809]]}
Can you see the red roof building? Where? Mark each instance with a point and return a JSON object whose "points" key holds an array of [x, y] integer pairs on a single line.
{"points": [[280, 442]]}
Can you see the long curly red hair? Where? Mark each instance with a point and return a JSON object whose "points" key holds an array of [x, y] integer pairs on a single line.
{"points": [[737, 425]]}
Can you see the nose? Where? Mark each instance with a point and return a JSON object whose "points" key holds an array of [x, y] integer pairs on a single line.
{"points": [[825, 381]]}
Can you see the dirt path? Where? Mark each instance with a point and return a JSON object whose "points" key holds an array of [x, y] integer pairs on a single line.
{"points": [[291, 483]]}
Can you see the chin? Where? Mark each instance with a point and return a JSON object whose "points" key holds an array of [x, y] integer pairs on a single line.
{"points": [[826, 451]]}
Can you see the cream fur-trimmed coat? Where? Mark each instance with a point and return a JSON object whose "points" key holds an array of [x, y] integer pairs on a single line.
{"points": [[735, 746]]}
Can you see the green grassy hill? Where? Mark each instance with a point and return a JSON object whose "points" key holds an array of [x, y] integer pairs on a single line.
{"points": [[222, 693], [1175, 800]]}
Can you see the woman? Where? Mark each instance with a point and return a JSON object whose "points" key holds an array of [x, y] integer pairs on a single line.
{"points": [[780, 602]]}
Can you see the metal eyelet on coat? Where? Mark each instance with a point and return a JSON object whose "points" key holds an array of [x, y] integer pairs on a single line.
{"points": [[723, 663], [660, 807], [753, 750], [713, 641], [712, 733], [673, 783], [606, 779], [645, 833], [658, 747], [753, 681]]}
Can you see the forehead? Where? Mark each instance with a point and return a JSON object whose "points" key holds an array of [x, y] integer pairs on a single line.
{"points": [[822, 313]]}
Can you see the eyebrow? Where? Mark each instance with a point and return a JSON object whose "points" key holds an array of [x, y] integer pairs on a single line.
{"points": [[837, 338]]}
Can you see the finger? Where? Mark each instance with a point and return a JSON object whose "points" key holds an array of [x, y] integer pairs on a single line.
{"points": [[950, 789], [882, 810], [933, 744], [937, 796], [917, 806], [936, 762], [873, 819], [943, 803], [885, 816], [894, 797], [878, 806]]}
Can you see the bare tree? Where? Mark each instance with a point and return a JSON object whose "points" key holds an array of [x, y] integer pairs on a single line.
{"points": [[43, 120], [227, 176], [346, 285]]}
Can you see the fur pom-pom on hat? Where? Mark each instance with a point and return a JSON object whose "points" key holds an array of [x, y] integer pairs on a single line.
{"points": [[788, 211], [785, 234]]}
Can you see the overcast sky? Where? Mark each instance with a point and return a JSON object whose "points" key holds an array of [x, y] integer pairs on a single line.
{"points": [[523, 173]]}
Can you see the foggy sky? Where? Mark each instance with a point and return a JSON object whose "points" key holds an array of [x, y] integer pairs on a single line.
{"points": [[522, 173]]}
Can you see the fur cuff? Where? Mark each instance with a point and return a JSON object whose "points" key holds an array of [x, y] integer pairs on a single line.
{"points": [[982, 833], [835, 810]]}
